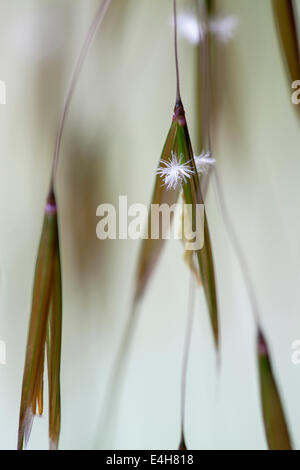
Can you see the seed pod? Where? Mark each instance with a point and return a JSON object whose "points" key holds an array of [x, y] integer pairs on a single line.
{"points": [[46, 309], [178, 143]]}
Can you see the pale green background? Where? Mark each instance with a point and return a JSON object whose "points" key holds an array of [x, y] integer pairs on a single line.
{"points": [[118, 121]]}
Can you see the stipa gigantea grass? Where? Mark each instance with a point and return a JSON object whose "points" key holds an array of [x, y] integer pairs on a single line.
{"points": [[275, 424], [53, 347], [178, 143], [276, 429], [45, 326], [186, 353], [46, 318], [193, 197]]}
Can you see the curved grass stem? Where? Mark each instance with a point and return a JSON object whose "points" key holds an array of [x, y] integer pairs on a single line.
{"points": [[72, 84], [186, 354]]}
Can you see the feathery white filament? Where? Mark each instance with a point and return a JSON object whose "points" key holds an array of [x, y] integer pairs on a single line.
{"points": [[222, 27], [188, 27], [173, 172], [203, 162]]}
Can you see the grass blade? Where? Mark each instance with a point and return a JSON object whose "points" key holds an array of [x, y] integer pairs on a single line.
{"points": [[178, 140], [45, 327], [193, 196], [32, 387], [185, 359], [54, 353], [276, 428]]}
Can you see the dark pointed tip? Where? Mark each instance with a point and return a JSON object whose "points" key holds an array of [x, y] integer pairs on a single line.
{"points": [[262, 346], [179, 113], [51, 207], [182, 445]]}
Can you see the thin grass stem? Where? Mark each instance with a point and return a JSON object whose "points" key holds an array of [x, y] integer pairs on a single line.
{"points": [[72, 84], [178, 98], [186, 350]]}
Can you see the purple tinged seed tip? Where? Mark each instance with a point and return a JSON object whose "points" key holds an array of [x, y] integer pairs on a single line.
{"points": [[51, 207], [179, 114], [262, 345]]}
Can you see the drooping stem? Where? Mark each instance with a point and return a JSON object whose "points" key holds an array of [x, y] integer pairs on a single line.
{"points": [[186, 351], [72, 84], [178, 99]]}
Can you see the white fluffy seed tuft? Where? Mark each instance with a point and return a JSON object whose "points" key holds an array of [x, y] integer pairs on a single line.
{"points": [[204, 162], [174, 172], [189, 28], [222, 27]]}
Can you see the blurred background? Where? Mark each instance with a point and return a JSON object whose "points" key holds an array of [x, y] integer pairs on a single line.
{"points": [[114, 134]]}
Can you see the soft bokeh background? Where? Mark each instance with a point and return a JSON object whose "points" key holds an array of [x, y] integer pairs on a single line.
{"points": [[117, 124]]}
